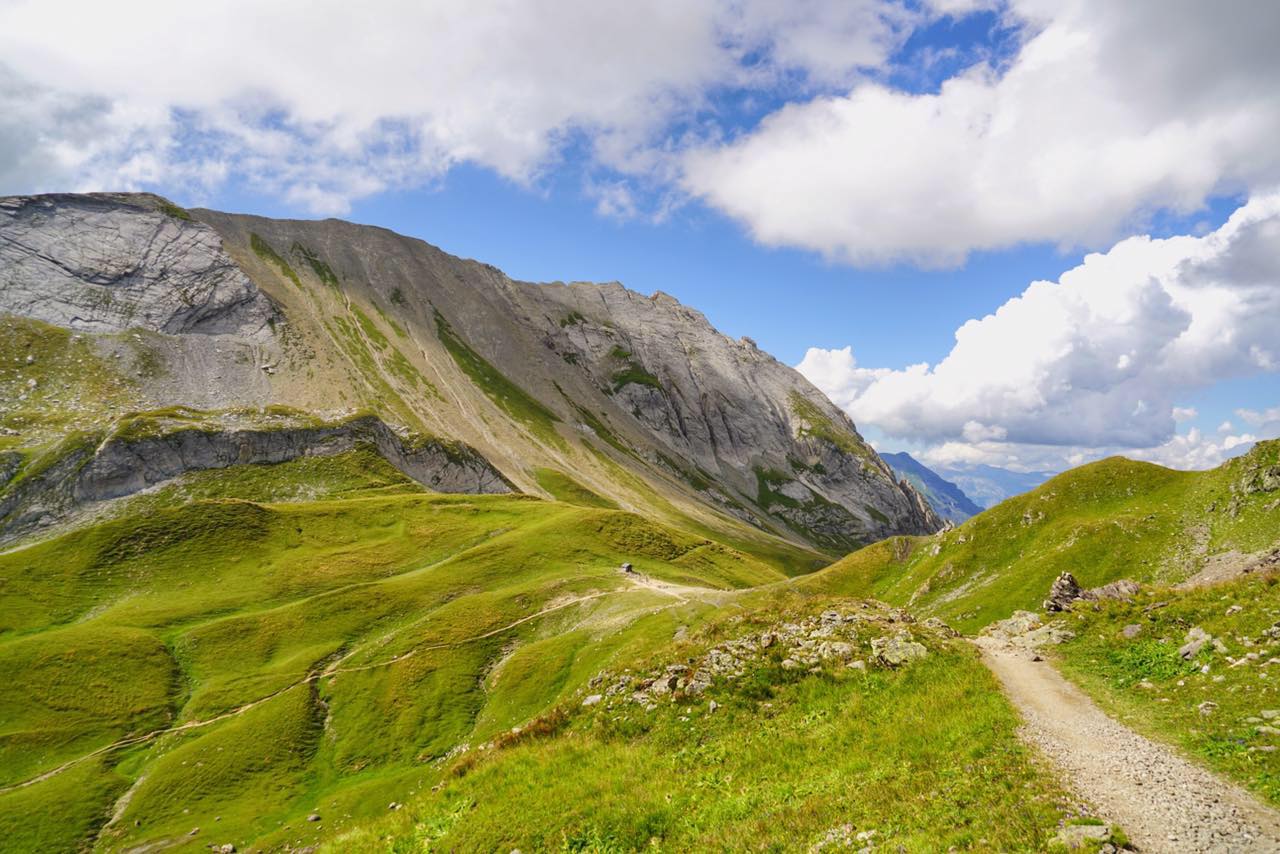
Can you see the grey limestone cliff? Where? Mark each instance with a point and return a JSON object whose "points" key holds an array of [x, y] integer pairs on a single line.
{"points": [[105, 263], [638, 397], [133, 460]]}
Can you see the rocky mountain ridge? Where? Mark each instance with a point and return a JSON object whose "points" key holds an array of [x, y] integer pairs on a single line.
{"points": [[145, 452], [946, 498], [638, 398]]}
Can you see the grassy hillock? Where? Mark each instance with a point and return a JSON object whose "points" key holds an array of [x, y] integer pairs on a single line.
{"points": [[248, 645], [1221, 706], [917, 758], [216, 660], [1112, 519]]}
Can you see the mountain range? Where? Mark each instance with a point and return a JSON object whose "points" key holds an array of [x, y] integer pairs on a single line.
{"points": [[946, 498], [315, 538], [255, 325], [988, 485]]}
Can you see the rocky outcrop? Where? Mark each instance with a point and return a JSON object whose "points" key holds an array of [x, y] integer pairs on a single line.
{"points": [[122, 465], [105, 263], [729, 411], [851, 639], [1066, 590]]}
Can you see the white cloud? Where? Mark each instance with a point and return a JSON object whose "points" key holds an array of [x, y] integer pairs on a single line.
{"points": [[1180, 413], [1097, 359], [1190, 450], [1195, 450], [1090, 127], [324, 102], [1264, 419]]}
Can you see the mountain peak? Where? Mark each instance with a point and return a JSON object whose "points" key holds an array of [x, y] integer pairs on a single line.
{"points": [[216, 311]]}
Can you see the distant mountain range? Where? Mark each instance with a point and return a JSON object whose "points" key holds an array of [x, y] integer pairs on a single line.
{"points": [[987, 486], [948, 499]]}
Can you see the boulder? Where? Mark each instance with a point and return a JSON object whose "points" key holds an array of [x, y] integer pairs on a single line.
{"points": [[940, 627], [1197, 638], [898, 650], [1019, 623], [1131, 631], [1123, 589]]}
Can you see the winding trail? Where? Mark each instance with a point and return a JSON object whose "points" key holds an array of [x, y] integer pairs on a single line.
{"points": [[1162, 801]]}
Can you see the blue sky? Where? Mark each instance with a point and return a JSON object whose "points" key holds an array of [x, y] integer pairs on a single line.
{"points": [[816, 175]]}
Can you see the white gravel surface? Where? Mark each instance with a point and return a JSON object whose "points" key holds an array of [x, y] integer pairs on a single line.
{"points": [[1162, 801]]}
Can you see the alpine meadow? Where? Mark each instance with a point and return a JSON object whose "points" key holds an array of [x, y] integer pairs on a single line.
{"points": [[316, 537]]}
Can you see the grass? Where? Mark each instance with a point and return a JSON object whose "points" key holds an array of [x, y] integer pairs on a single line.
{"points": [[767, 494], [75, 387], [508, 396], [264, 251], [318, 266], [564, 488], [399, 330], [1144, 682], [1108, 520], [926, 757], [634, 374], [630, 372], [372, 333], [348, 336], [230, 587], [170, 209]]}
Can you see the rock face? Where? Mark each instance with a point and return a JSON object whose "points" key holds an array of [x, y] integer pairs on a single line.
{"points": [[634, 396], [123, 465], [730, 411], [106, 263], [946, 498]]}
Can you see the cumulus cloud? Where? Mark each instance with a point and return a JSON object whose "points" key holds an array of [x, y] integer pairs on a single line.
{"points": [[1090, 128], [323, 102], [1191, 450], [1096, 359], [1268, 419]]}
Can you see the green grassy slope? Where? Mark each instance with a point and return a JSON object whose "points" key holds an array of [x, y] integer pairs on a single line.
{"points": [[241, 648], [1143, 681], [1112, 519], [923, 758], [213, 658]]}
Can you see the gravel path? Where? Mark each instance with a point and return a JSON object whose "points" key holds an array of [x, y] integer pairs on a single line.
{"points": [[1163, 802]]}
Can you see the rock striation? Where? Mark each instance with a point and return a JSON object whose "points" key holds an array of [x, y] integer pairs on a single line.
{"points": [[106, 263], [730, 411]]}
